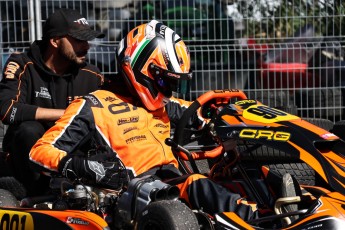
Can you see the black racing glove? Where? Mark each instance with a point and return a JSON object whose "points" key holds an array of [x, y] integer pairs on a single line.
{"points": [[104, 169]]}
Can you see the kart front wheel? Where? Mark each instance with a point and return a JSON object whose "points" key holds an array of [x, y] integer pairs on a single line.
{"points": [[167, 214], [7, 199]]}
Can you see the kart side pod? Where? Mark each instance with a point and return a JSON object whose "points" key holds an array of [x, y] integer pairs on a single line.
{"points": [[141, 192]]}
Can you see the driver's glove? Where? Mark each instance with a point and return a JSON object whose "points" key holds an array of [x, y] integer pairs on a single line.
{"points": [[105, 171]]}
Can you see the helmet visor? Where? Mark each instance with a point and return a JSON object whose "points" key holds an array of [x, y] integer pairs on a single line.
{"points": [[168, 81]]}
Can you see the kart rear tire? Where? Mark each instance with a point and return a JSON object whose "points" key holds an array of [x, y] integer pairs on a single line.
{"points": [[7, 199], [322, 123], [301, 171], [167, 215]]}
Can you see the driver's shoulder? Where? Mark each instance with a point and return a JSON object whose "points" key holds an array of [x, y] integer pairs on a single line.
{"points": [[106, 96]]}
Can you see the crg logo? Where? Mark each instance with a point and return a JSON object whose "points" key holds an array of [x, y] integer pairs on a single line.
{"points": [[265, 134]]}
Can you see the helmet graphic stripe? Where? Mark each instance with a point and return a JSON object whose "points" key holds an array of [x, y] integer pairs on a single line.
{"points": [[138, 51], [170, 41]]}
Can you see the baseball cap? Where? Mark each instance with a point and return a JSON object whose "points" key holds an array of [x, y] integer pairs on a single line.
{"points": [[69, 22]]}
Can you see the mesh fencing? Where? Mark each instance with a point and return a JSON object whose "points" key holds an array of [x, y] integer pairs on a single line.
{"points": [[286, 54]]}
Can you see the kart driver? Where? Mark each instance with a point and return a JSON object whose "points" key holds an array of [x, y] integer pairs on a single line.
{"points": [[129, 126], [39, 84]]}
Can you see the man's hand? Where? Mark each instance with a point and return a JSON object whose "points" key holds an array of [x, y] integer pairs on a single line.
{"points": [[106, 174]]}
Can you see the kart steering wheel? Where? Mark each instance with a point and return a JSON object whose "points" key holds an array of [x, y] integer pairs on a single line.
{"points": [[220, 97]]}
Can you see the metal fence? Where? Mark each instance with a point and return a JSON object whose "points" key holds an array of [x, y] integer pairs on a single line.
{"points": [[286, 54]]}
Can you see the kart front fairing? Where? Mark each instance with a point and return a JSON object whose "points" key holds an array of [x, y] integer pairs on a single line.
{"points": [[33, 218], [249, 120]]}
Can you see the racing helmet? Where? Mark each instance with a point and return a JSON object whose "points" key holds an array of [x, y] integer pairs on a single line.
{"points": [[154, 62]]}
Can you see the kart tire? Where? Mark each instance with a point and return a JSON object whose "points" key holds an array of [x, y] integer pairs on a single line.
{"points": [[167, 215], [322, 123], [7, 199], [301, 171], [338, 129], [14, 186]]}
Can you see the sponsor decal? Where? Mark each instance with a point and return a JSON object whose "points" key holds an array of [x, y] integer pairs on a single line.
{"points": [[165, 55], [93, 100], [13, 114], [225, 90], [317, 226], [110, 99], [129, 129], [43, 93], [162, 29], [328, 135], [265, 134], [73, 220], [122, 121], [135, 139], [163, 132], [11, 69], [82, 21], [161, 126], [244, 102], [173, 75]]}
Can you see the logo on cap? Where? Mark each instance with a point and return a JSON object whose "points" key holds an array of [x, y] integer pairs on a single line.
{"points": [[82, 21]]}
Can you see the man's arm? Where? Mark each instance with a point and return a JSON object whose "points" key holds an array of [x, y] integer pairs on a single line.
{"points": [[54, 151], [175, 109], [64, 137], [48, 114], [13, 91]]}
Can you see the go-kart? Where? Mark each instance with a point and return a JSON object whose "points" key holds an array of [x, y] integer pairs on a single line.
{"points": [[243, 144], [249, 147]]}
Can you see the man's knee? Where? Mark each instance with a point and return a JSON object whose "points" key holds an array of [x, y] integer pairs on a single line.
{"points": [[29, 129], [23, 136]]}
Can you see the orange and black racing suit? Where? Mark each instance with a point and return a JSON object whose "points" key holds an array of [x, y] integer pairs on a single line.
{"points": [[137, 136]]}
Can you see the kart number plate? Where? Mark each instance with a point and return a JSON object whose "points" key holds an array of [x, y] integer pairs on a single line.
{"points": [[266, 114], [15, 220]]}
